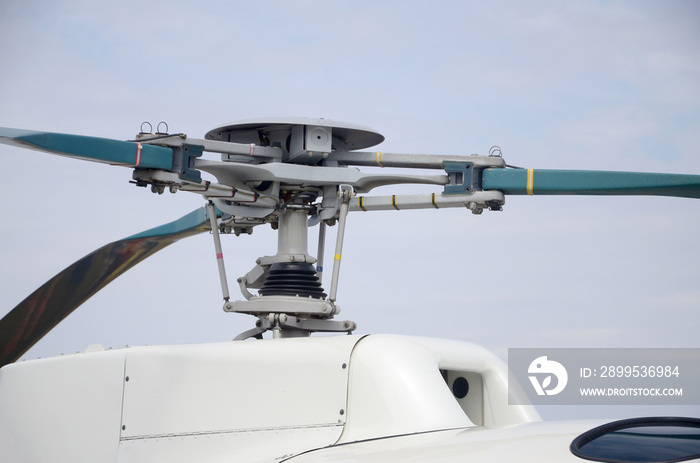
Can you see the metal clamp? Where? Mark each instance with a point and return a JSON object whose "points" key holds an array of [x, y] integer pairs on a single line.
{"points": [[463, 178]]}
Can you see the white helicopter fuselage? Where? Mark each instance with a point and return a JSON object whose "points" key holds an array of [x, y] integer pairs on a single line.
{"points": [[349, 398]]}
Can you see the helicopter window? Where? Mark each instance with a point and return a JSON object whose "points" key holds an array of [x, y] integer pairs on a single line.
{"points": [[641, 440]]}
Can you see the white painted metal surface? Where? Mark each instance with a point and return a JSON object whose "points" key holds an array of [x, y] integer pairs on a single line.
{"points": [[542, 442], [247, 401], [62, 409]]}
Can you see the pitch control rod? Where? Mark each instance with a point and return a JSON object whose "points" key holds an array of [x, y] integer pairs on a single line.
{"points": [[219, 255], [321, 250], [345, 192]]}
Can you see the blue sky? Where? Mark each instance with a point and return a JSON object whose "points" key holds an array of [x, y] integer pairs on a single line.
{"points": [[587, 85]]}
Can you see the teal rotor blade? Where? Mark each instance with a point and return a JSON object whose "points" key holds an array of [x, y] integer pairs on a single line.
{"points": [[590, 182], [106, 150], [46, 307]]}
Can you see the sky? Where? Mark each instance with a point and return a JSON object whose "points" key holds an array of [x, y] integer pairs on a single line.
{"points": [[599, 85]]}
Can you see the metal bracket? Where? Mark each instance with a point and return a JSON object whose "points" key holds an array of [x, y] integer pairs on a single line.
{"points": [[183, 162], [292, 305], [463, 178], [283, 325], [183, 153]]}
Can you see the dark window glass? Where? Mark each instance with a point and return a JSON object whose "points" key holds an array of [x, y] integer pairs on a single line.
{"points": [[641, 440]]}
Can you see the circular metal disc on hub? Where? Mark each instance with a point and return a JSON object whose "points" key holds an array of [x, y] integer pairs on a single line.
{"points": [[269, 131]]}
